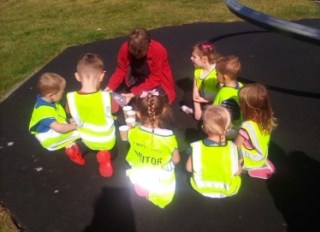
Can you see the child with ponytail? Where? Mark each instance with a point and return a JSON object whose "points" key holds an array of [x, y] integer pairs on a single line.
{"points": [[206, 85], [214, 161], [153, 150]]}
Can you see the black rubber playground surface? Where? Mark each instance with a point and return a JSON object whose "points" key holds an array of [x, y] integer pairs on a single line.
{"points": [[46, 192]]}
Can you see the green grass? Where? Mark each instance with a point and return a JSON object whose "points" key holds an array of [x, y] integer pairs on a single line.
{"points": [[35, 31]]}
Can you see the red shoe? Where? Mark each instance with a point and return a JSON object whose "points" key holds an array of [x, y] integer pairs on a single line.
{"points": [[105, 164], [75, 155]]}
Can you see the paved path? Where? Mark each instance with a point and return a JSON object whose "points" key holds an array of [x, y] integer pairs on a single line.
{"points": [[46, 192]]}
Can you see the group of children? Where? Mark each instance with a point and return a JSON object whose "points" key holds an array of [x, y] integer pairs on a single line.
{"points": [[91, 121], [237, 120]]}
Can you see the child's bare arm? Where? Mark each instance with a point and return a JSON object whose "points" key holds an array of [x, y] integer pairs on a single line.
{"points": [[197, 110], [176, 157], [238, 173], [114, 106], [196, 96], [189, 164], [62, 127], [239, 141]]}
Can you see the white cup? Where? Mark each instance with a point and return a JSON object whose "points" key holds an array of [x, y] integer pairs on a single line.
{"points": [[124, 132], [131, 114], [126, 109], [131, 122]]}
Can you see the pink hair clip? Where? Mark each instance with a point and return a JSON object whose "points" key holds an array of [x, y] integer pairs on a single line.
{"points": [[153, 92], [206, 46]]}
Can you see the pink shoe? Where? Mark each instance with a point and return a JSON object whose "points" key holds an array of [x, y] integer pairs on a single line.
{"points": [[264, 172], [141, 191], [105, 164], [75, 155]]}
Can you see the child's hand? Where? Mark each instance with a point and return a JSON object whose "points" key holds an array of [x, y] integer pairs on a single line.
{"points": [[199, 99], [107, 89], [72, 121]]}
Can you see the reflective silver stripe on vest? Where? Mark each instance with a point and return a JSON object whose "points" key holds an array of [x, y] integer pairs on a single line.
{"points": [[255, 142], [51, 134], [107, 105], [214, 195], [73, 109], [97, 128], [234, 159], [197, 166], [95, 138], [106, 108], [209, 184], [196, 162]]}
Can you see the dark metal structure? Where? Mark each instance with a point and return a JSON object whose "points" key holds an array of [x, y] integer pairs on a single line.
{"points": [[280, 26]]}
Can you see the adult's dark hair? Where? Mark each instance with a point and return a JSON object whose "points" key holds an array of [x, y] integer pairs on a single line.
{"points": [[138, 42]]}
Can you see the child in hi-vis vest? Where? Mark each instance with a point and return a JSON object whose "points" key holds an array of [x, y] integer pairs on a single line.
{"points": [[254, 134], [153, 150], [205, 85], [91, 109], [49, 121], [228, 70], [214, 161]]}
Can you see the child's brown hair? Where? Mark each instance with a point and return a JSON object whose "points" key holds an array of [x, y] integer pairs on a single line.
{"points": [[154, 109], [230, 66], [255, 105], [90, 62], [50, 83]]}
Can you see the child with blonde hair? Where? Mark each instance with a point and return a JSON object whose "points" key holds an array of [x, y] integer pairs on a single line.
{"points": [[49, 121], [153, 150], [91, 109], [228, 71], [205, 85], [214, 161], [254, 134]]}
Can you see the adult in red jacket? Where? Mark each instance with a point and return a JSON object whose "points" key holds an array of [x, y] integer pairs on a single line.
{"points": [[142, 65]]}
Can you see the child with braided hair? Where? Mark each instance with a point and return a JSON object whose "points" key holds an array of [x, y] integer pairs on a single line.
{"points": [[153, 150]]}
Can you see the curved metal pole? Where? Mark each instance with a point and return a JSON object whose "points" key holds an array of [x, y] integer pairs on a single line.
{"points": [[280, 26]]}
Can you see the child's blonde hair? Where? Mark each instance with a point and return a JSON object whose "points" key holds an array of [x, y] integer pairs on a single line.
{"points": [[50, 83], [230, 66], [255, 105], [216, 120], [154, 110], [206, 49], [90, 62]]}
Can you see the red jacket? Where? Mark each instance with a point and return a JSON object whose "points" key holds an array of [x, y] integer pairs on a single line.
{"points": [[160, 71]]}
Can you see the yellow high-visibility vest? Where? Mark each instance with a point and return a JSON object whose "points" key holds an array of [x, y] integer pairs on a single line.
{"points": [[51, 140], [256, 157], [92, 113], [208, 85], [150, 157], [231, 94], [214, 169]]}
